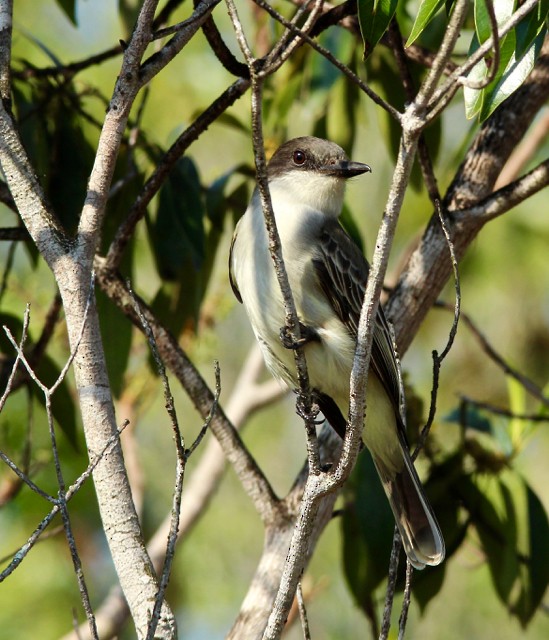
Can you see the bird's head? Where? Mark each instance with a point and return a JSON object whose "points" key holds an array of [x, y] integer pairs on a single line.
{"points": [[313, 171]]}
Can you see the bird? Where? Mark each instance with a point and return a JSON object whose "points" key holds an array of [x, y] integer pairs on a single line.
{"points": [[327, 273]]}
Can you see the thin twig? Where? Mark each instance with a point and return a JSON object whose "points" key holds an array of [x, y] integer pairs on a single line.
{"points": [[391, 586], [19, 351], [7, 268], [528, 384], [23, 551], [425, 162], [210, 416], [303, 612], [179, 472], [329, 56], [501, 411], [438, 359], [406, 601], [183, 455]]}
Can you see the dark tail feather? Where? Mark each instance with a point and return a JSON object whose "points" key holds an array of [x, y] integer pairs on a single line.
{"points": [[416, 522], [419, 530]]}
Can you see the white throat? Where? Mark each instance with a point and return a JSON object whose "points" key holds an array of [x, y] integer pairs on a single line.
{"points": [[308, 190]]}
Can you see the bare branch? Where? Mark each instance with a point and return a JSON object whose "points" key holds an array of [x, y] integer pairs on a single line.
{"points": [[247, 397], [426, 93], [427, 269], [406, 601], [251, 477], [391, 586], [14, 234], [507, 197], [6, 17], [303, 613]]}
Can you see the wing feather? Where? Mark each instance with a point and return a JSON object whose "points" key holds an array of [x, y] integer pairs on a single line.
{"points": [[343, 271], [232, 279]]}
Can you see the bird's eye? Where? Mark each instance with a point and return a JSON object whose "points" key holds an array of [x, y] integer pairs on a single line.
{"points": [[299, 157]]}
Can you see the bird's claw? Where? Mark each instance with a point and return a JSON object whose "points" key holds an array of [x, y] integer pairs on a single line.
{"points": [[307, 335], [308, 413]]}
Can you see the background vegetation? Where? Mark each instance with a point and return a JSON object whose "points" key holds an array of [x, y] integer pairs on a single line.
{"points": [[486, 471]]}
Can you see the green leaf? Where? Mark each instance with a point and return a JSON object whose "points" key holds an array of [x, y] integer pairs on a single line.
{"points": [[535, 574], [341, 112], [374, 17], [475, 98], [519, 50], [503, 10], [178, 241], [427, 584], [513, 529], [517, 405], [367, 529], [531, 26], [218, 205], [178, 229], [53, 134], [426, 12], [516, 72], [471, 417], [69, 8]]}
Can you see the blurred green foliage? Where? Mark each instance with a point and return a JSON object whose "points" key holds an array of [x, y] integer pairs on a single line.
{"points": [[485, 474]]}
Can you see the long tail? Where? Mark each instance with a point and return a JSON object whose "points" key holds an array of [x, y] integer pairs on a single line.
{"points": [[416, 522]]}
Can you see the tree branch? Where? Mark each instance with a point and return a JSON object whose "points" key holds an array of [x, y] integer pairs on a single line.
{"points": [[428, 268]]}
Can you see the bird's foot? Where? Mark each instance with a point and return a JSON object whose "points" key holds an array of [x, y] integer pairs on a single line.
{"points": [[308, 412], [307, 335]]}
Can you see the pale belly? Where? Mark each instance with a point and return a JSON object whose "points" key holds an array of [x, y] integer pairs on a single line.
{"points": [[329, 360]]}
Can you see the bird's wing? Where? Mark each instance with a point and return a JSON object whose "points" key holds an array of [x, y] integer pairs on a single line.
{"points": [[232, 279], [342, 271]]}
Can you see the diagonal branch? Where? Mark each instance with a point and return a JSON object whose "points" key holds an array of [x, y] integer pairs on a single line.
{"points": [[428, 268], [251, 477]]}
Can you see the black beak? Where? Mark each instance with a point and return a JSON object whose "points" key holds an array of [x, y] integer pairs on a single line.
{"points": [[345, 169]]}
